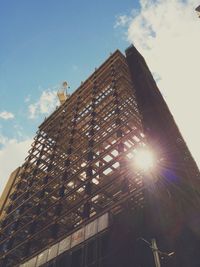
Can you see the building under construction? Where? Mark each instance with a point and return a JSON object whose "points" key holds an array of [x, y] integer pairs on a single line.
{"points": [[80, 199]]}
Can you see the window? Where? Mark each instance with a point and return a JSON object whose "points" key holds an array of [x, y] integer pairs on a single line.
{"points": [[103, 245], [91, 253], [63, 260], [76, 258]]}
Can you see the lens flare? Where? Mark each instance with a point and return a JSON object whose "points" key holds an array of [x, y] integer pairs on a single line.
{"points": [[144, 159]]}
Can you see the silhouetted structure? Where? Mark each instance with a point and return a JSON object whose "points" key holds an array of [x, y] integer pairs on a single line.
{"points": [[198, 10], [79, 199]]}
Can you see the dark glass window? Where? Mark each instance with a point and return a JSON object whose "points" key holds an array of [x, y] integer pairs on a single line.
{"points": [[51, 264], [91, 252], [103, 245], [77, 258], [63, 260]]}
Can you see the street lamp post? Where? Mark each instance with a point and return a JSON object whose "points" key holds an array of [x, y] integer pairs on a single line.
{"points": [[155, 252], [146, 161]]}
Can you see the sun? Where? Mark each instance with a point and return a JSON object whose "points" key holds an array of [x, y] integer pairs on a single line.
{"points": [[144, 159]]}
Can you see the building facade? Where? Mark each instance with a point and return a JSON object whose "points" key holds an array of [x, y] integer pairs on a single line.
{"points": [[80, 199], [10, 185]]}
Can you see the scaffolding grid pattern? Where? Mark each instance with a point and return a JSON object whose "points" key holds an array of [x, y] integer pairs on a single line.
{"points": [[77, 165]]}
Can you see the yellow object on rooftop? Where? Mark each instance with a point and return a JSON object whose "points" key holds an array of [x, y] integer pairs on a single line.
{"points": [[62, 93]]}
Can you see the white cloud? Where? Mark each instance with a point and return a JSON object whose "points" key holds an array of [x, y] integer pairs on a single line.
{"points": [[122, 20], [5, 115], [167, 33], [46, 104], [3, 139], [12, 155]]}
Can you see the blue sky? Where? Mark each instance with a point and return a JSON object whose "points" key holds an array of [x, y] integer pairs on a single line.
{"points": [[44, 42]]}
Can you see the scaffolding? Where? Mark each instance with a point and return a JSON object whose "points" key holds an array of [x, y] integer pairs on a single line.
{"points": [[79, 165]]}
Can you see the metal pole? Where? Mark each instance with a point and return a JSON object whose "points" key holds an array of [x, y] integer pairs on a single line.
{"points": [[155, 252]]}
